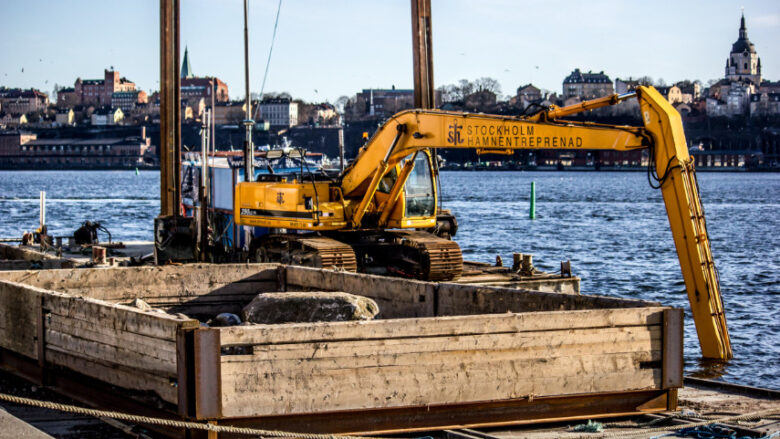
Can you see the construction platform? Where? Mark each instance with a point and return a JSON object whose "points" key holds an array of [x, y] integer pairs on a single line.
{"points": [[437, 356]]}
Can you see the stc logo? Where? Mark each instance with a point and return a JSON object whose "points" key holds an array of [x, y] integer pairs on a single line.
{"points": [[454, 134]]}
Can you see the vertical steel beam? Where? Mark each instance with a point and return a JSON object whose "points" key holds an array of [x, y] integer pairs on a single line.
{"points": [[170, 109], [249, 149], [422, 45]]}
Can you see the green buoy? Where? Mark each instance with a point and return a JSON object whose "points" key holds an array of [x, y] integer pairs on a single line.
{"points": [[136, 171], [532, 210]]}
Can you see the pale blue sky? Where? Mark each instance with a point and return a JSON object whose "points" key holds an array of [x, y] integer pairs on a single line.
{"points": [[325, 49]]}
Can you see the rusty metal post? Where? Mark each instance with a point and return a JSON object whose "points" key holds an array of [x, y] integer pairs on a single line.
{"points": [[422, 45], [170, 107], [249, 148]]}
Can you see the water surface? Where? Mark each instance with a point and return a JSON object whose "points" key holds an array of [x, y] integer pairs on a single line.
{"points": [[612, 226]]}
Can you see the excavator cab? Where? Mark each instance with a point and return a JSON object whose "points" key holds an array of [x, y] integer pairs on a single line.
{"points": [[409, 193]]}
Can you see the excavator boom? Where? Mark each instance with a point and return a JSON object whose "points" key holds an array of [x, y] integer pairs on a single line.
{"points": [[662, 133]]}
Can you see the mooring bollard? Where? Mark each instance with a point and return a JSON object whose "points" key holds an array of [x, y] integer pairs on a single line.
{"points": [[98, 255], [532, 210]]}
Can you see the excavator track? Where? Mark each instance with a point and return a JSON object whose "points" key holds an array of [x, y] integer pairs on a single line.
{"points": [[305, 250], [440, 259]]}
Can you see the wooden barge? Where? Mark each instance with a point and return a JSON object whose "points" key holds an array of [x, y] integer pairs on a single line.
{"points": [[438, 355]]}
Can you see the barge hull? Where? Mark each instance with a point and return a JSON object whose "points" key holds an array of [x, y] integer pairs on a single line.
{"points": [[440, 355]]}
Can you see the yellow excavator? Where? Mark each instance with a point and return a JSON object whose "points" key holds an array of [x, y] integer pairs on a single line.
{"points": [[377, 215]]}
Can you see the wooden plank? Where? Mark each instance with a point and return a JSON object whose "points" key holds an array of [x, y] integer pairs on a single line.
{"points": [[115, 375], [395, 297], [540, 344], [90, 331], [19, 306], [208, 383], [439, 326], [126, 283], [673, 348], [460, 299], [117, 317], [288, 392], [154, 294], [429, 417], [150, 363]]}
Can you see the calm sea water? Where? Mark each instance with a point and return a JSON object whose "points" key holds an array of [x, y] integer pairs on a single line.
{"points": [[612, 226]]}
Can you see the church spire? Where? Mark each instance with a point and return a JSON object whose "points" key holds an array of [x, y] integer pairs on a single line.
{"points": [[742, 28], [186, 68]]}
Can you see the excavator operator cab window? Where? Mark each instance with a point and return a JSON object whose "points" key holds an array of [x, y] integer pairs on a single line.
{"points": [[420, 199], [387, 182]]}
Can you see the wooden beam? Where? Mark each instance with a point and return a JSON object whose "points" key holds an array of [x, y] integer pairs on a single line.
{"points": [[422, 47], [170, 109]]}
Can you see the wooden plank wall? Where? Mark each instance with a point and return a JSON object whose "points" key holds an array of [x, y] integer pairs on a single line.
{"points": [[188, 289], [396, 297], [459, 299], [19, 307], [310, 368], [117, 344]]}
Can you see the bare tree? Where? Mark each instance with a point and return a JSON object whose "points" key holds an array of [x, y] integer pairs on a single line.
{"points": [[488, 84]]}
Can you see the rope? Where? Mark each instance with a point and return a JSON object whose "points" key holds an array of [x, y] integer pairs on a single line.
{"points": [[754, 416], [168, 422], [644, 433]]}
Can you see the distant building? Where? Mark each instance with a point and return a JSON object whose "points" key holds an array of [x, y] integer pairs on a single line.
{"points": [[23, 150], [672, 93], [732, 96], [128, 100], [67, 98], [384, 102], [691, 91], [769, 87], [229, 113], [526, 95], [325, 112], [734, 103], [529, 93], [279, 112], [205, 87], [18, 101], [765, 104], [12, 120], [65, 116], [623, 86], [11, 142], [107, 116], [743, 63], [587, 85], [101, 91]]}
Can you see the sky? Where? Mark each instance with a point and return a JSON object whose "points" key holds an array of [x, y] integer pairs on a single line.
{"points": [[326, 49]]}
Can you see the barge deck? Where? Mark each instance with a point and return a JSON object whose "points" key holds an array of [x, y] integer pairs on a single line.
{"points": [[439, 355]]}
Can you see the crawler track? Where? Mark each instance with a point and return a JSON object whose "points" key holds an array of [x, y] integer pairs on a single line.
{"points": [[440, 259], [308, 251]]}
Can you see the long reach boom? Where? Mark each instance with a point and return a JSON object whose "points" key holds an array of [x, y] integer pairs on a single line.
{"points": [[357, 221], [662, 133]]}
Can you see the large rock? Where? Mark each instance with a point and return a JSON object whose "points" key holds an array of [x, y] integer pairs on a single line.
{"points": [[316, 306]]}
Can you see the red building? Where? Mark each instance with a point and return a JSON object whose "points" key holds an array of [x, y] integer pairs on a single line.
{"points": [[99, 91], [194, 88]]}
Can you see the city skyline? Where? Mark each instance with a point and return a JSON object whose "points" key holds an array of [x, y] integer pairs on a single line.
{"points": [[323, 51]]}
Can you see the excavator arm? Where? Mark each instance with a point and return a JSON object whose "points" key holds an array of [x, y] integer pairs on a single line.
{"points": [[662, 133]]}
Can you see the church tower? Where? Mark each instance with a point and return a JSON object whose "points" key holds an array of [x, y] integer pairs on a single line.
{"points": [[186, 68], [743, 64]]}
